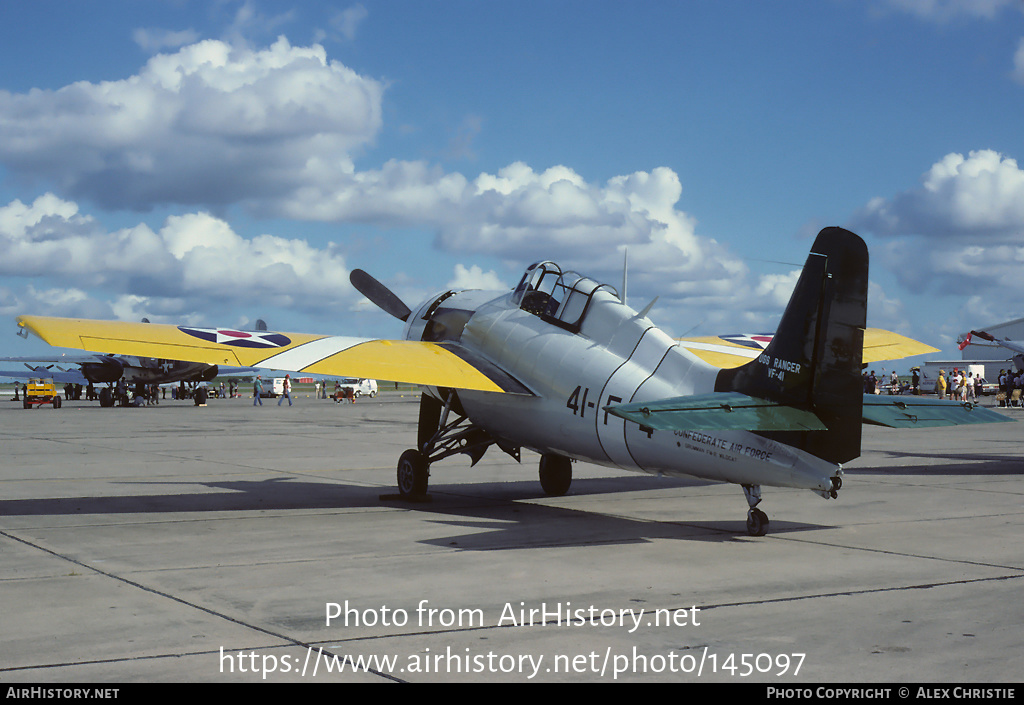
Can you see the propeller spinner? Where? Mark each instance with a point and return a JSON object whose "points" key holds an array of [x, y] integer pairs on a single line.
{"points": [[379, 294]]}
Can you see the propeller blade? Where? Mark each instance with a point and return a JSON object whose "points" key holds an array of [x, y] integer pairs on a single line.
{"points": [[379, 294]]}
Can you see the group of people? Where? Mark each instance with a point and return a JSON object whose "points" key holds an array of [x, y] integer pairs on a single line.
{"points": [[875, 385], [340, 392], [257, 390], [960, 386], [346, 393], [1009, 382]]}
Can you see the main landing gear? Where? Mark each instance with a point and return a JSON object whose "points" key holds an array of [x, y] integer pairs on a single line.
{"points": [[439, 438]]}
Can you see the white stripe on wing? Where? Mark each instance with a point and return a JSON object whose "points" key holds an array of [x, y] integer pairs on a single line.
{"points": [[302, 356]]}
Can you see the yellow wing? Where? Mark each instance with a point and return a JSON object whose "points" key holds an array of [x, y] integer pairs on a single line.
{"points": [[734, 350], [416, 362], [885, 345]]}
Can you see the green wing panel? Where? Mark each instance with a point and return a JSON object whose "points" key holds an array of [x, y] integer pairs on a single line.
{"points": [[732, 410], [915, 412], [719, 410]]}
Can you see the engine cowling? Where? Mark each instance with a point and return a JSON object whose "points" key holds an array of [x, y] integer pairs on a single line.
{"points": [[108, 370]]}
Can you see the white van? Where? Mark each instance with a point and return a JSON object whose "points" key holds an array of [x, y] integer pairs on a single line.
{"points": [[359, 387], [274, 389]]}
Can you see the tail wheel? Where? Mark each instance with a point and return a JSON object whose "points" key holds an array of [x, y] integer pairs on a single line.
{"points": [[757, 522], [413, 474], [555, 474]]}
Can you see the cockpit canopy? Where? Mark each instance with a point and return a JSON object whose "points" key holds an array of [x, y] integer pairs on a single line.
{"points": [[560, 298]]}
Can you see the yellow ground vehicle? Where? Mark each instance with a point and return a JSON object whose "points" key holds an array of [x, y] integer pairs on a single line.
{"points": [[39, 392]]}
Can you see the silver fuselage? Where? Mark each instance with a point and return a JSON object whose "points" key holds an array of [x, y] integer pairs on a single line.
{"points": [[615, 357]]}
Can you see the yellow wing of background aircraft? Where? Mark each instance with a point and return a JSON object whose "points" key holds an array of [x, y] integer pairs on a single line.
{"points": [[735, 350], [561, 366]]}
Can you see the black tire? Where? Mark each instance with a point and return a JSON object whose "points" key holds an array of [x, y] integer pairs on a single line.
{"points": [[200, 396], [757, 522], [555, 474], [413, 474], [106, 398], [25, 404], [56, 402]]}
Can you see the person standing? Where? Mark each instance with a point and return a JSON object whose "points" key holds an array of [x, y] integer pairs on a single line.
{"points": [[257, 391], [286, 390]]}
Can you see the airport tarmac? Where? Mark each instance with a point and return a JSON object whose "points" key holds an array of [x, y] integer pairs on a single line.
{"points": [[183, 544]]}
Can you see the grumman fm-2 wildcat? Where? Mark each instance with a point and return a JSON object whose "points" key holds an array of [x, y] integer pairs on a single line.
{"points": [[561, 366]]}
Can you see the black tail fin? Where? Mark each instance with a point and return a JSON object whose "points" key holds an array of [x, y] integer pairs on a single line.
{"points": [[814, 360]]}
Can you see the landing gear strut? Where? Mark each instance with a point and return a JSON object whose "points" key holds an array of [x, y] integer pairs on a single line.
{"points": [[757, 521]]}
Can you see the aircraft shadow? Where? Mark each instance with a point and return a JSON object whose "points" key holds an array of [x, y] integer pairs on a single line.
{"points": [[971, 464], [499, 515]]}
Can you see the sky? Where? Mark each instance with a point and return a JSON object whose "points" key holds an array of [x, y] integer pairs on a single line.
{"points": [[212, 163]]}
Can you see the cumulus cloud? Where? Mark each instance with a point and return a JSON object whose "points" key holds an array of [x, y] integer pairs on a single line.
{"points": [[962, 229], [474, 277], [521, 214], [981, 195], [209, 124], [277, 131], [192, 261]]}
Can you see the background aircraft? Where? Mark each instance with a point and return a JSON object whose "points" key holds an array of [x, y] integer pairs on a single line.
{"points": [[560, 365], [109, 369], [736, 350], [1014, 345], [102, 369]]}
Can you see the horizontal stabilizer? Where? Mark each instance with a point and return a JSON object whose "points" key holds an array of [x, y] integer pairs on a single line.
{"points": [[915, 412], [718, 410], [735, 411]]}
